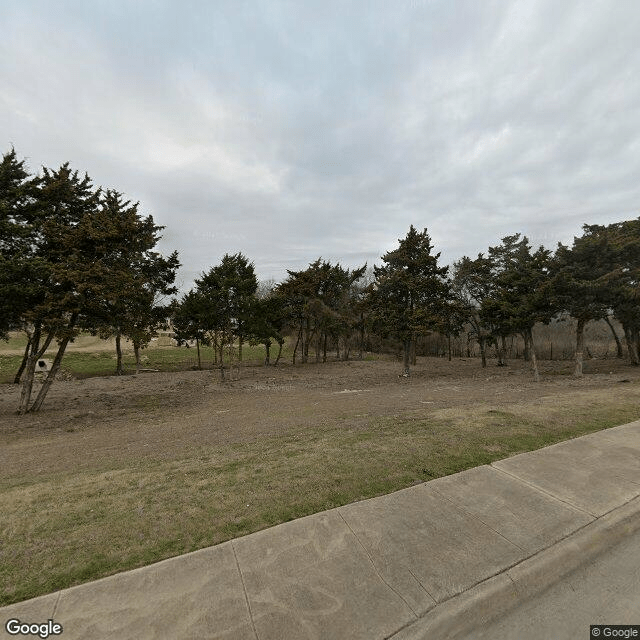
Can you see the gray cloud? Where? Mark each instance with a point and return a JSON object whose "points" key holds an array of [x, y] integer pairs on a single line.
{"points": [[292, 130]]}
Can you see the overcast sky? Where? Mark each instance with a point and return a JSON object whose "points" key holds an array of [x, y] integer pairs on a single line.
{"points": [[292, 130]]}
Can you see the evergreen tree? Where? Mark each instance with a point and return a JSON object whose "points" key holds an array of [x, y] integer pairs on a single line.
{"points": [[577, 283], [20, 270], [318, 305], [191, 317], [522, 294], [229, 289], [267, 323], [65, 262], [302, 292], [410, 291], [137, 309], [71, 263], [622, 283], [472, 283]]}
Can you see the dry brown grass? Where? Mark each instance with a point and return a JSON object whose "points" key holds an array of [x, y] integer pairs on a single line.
{"points": [[88, 492]]}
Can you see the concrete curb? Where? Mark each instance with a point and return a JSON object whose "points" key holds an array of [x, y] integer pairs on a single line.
{"points": [[494, 597]]}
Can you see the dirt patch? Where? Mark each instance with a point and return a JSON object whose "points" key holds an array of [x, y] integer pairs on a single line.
{"points": [[164, 414]]}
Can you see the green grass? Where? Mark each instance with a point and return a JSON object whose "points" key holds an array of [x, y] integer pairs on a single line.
{"points": [[103, 363], [66, 527]]}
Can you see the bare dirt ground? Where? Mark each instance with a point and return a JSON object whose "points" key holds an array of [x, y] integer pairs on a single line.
{"points": [[130, 417]]}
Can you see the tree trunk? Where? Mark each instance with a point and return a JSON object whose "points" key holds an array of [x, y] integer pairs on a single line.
{"points": [[413, 350], [223, 338], [119, 370], [36, 352], [407, 357], [449, 346], [306, 339], [23, 364], [361, 348], [136, 351], [532, 353], [27, 383], [483, 352], [198, 350], [44, 389], [631, 346], [324, 349], [346, 350], [500, 351], [267, 348], [295, 349], [240, 339], [579, 347], [280, 343], [615, 337], [318, 346], [527, 351]]}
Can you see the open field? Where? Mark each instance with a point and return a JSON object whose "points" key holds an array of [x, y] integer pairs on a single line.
{"points": [[118, 472], [91, 356]]}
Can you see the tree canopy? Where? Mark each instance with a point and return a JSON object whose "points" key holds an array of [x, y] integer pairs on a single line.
{"points": [[410, 290], [78, 257], [75, 258]]}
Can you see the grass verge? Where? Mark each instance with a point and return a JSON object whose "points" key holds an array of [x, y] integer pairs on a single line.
{"points": [[64, 528]]}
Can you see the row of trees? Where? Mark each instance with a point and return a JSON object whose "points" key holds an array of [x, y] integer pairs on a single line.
{"points": [[75, 258], [500, 293], [226, 305], [512, 287]]}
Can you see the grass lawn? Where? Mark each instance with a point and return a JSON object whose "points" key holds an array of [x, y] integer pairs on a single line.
{"points": [[60, 528], [84, 364]]}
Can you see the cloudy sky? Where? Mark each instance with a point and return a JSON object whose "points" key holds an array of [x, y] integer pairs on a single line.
{"points": [[292, 130]]}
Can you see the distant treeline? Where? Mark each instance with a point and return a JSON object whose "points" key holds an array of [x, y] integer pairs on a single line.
{"points": [[493, 300], [75, 258]]}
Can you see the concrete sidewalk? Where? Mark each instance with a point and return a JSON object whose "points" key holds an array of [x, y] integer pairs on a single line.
{"points": [[432, 561]]}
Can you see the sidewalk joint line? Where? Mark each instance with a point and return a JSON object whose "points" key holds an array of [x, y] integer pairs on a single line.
{"points": [[244, 588], [506, 571], [462, 508], [513, 582], [492, 576], [55, 606], [373, 564], [540, 490], [421, 585], [540, 552]]}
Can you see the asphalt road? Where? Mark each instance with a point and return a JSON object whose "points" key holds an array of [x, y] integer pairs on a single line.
{"points": [[607, 591]]}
